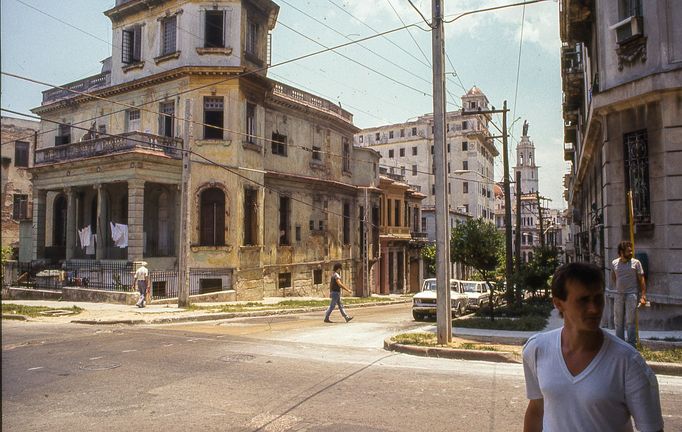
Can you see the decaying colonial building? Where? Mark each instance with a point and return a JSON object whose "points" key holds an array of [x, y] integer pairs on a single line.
{"points": [[18, 142], [622, 84], [183, 132], [401, 239]]}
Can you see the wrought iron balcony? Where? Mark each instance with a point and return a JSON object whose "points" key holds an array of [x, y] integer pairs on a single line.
{"points": [[310, 100], [108, 145], [88, 84]]}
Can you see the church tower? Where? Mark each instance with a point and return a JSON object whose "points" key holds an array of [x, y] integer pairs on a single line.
{"points": [[525, 163]]}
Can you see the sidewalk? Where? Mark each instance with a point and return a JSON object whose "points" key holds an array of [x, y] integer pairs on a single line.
{"points": [[108, 313]]}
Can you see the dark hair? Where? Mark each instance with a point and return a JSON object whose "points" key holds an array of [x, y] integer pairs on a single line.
{"points": [[337, 266], [587, 274], [623, 245]]}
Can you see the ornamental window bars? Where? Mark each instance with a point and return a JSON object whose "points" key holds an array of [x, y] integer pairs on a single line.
{"points": [[636, 147]]}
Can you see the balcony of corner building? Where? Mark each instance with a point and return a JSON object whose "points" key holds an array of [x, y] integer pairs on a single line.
{"points": [[569, 151], [577, 17], [97, 145]]}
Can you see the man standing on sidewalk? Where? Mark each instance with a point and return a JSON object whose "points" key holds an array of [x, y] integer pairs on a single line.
{"points": [[335, 286], [628, 277], [142, 282], [581, 378]]}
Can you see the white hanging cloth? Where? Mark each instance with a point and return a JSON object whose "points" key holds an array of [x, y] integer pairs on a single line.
{"points": [[84, 236], [119, 234]]}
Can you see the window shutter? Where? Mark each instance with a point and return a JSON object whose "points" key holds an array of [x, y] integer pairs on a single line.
{"points": [[126, 46], [137, 45]]}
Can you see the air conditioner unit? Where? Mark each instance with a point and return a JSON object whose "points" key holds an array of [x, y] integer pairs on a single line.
{"points": [[628, 29]]}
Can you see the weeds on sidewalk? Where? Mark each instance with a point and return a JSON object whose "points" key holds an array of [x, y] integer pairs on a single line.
{"points": [[526, 323], [666, 355], [429, 340], [36, 311], [285, 304]]}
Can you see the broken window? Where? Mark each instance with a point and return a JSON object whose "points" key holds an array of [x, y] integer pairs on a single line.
{"points": [[20, 207], [213, 117]]}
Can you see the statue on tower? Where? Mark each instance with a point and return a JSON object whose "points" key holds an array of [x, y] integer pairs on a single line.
{"points": [[525, 128]]}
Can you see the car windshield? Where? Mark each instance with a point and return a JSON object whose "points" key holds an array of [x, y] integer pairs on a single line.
{"points": [[470, 287], [429, 286]]}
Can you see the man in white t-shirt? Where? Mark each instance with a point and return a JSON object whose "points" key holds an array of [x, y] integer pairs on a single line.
{"points": [[627, 275], [580, 378]]}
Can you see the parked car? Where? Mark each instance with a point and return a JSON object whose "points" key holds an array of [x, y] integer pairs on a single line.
{"points": [[424, 302], [477, 292]]}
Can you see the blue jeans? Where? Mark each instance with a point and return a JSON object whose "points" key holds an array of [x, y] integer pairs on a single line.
{"points": [[624, 309], [142, 289], [336, 300]]}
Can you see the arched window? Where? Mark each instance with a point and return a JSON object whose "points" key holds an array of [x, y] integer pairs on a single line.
{"points": [[212, 218]]}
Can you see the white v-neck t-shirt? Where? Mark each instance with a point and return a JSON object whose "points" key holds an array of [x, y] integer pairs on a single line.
{"points": [[615, 385]]}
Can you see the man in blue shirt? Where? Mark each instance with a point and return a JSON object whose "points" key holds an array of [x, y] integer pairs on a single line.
{"points": [[335, 286]]}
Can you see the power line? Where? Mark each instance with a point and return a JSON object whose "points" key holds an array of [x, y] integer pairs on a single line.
{"points": [[410, 33]]}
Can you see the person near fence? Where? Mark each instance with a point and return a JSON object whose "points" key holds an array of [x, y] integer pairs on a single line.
{"points": [[580, 377], [335, 286], [143, 282], [627, 275]]}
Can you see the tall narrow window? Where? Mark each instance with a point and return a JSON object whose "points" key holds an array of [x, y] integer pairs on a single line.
{"points": [[284, 214], [402, 152], [317, 153], [279, 144], [250, 216], [252, 38], [396, 209], [629, 8], [131, 45], [214, 33], [212, 217], [21, 154], [346, 155], [132, 120], [636, 147], [465, 165], [414, 131], [414, 170], [346, 223], [213, 117], [414, 151], [250, 122], [20, 207], [166, 118], [168, 35]]}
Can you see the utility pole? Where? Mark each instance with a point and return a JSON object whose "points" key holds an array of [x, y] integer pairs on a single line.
{"points": [[183, 287], [509, 263], [443, 310], [517, 246]]}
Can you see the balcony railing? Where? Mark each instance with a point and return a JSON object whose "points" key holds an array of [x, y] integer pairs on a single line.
{"points": [[108, 145], [310, 100], [85, 85]]}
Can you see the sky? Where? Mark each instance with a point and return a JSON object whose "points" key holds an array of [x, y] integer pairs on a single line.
{"points": [[381, 81]]}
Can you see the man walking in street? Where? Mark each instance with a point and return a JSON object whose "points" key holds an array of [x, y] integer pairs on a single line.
{"points": [[628, 277], [581, 378], [142, 282], [335, 286]]}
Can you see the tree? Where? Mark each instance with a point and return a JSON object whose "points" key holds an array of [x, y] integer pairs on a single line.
{"points": [[429, 257], [476, 243], [535, 275]]}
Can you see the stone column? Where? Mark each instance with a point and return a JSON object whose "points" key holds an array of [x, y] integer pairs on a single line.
{"points": [[384, 270], [102, 228], [135, 220], [39, 215], [70, 223]]}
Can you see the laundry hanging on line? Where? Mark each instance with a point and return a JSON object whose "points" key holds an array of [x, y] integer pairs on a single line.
{"points": [[119, 234]]}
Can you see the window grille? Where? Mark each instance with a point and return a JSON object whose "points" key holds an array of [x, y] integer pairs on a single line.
{"points": [[21, 154], [168, 35], [636, 146]]}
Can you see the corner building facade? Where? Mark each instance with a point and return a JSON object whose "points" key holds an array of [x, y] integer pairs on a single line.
{"points": [[273, 193]]}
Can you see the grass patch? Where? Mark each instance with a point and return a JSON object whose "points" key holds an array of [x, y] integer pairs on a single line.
{"points": [[430, 340], [672, 355], [666, 339], [526, 323], [34, 311]]}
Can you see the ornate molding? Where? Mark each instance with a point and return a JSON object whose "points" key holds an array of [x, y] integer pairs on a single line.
{"points": [[630, 51]]}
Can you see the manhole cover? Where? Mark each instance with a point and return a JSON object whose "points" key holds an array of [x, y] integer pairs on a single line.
{"points": [[235, 358], [58, 312], [99, 367]]}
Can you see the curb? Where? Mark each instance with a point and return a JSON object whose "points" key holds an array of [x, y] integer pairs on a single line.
{"points": [[15, 317], [227, 315], [453, 353], [659, 368]]}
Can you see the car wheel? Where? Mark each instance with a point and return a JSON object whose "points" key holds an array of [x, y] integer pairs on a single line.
{"points": [[417, 316]]}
